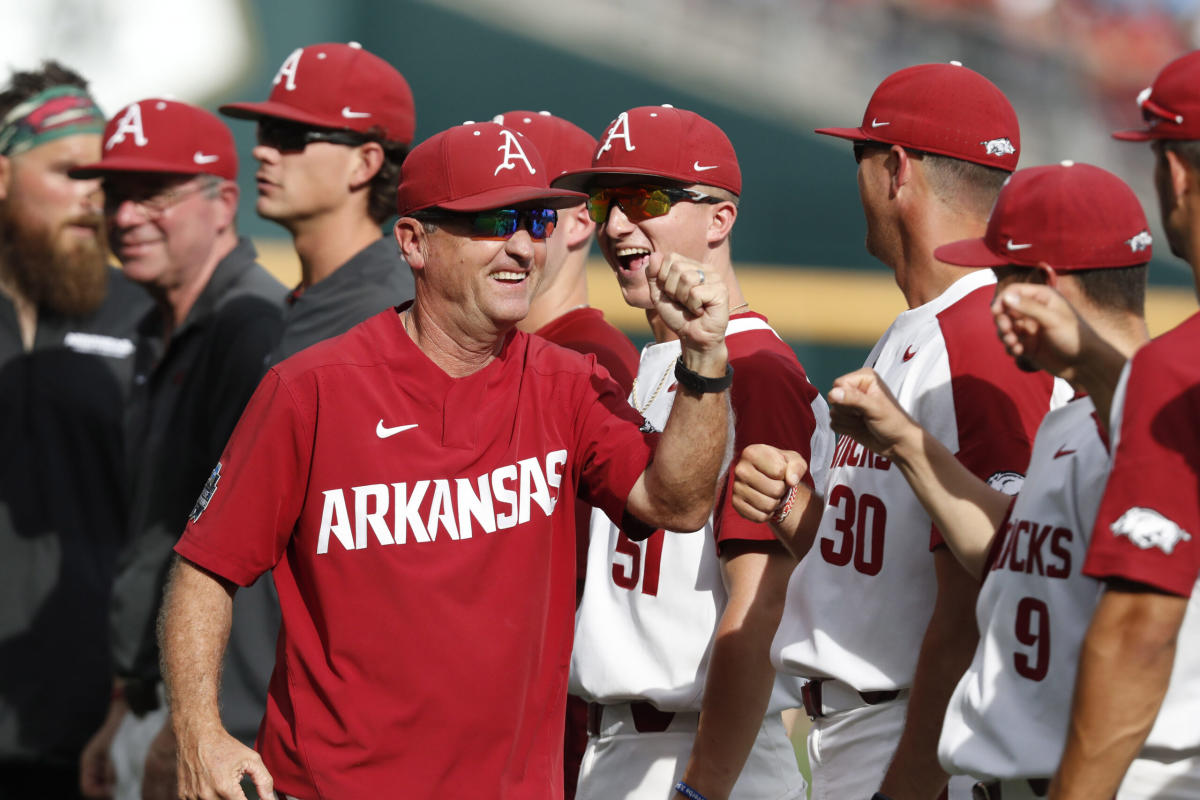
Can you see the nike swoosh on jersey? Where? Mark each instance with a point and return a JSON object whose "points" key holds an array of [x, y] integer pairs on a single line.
{"points": [[201, 158], [348, 114], [908, 353], [1062, 451], [696, 166], [384, 432]]}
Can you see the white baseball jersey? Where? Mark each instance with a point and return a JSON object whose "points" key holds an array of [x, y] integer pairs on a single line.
{"points": [[860, 600], [650, 609], [1008, 715], [1148, 526]]}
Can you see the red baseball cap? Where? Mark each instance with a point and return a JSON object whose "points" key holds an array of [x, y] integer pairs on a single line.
{"points": [[476, 167], [563, 145], [663, 142], [941, 108], [157, 135], [1070, 216], [340, 86], [1171, 106]]}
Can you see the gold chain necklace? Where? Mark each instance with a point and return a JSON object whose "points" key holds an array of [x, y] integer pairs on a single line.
{"points": [[661, 383]]}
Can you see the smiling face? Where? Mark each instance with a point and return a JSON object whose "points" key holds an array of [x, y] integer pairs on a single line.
{"points": [[51, 230], [480, 287], [162, 228], [629, 246]]}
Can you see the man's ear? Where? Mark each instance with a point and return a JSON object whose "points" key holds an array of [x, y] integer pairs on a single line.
{"points": [[367, 162], [410, 234], [1049, 274], [900, 168], [228, 194], [577, 225], [720, 222]]}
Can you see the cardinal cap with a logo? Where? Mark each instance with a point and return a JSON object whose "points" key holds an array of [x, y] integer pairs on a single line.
{"points": [[477, 166], [158, 135], [662, 142], [340, 86]]}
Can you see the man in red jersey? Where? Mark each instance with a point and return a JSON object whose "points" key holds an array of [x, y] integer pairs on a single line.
{"points": [[1139, 665], [402, 482], [560, 313]]}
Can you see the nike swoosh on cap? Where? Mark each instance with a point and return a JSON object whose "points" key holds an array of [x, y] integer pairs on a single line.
{"points": [[696, 166], [1012, 246], [201, 158], [875, 123], [348, 114]]}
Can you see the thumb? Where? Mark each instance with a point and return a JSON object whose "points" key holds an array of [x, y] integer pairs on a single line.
{"points": [[263, 783], [797, 467]]}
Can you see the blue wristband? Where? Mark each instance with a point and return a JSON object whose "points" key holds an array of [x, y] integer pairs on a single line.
{"points": [[689, 792]]}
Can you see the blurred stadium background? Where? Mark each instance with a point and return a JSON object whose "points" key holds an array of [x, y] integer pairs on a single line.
{"points": [[767, 71]]}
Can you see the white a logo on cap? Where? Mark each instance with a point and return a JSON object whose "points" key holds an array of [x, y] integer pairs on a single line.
{"points": [[512, 153], [619, 130], [288, 70], [130, 123]]}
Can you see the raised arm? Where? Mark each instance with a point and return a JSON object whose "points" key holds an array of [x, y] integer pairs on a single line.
{"points": [[194, 628], [1037, 324], [678, 488], [965, 509]]}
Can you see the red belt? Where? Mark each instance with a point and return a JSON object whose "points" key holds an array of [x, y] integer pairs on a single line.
{"points": [[811, 692], [646, 718]]}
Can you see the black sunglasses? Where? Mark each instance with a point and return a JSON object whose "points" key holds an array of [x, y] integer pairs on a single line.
{"points": [[292, 137]]}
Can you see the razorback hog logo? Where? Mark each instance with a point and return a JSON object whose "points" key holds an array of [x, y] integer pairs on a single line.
{"points": [[511, 149], [129, 124], [1147, 528], [1140, 242], [497, 500], [998, 147]]}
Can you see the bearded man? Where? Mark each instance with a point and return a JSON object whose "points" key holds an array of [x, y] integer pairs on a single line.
{"points": [[66, 327]]}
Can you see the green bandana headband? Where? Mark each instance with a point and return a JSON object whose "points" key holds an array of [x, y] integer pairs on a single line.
{"points": [[56, 112]]}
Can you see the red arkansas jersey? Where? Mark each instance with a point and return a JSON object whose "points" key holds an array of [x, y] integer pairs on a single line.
{"points": [[424, 563], [1148, 527], [650, 609], [1009, 713], [860, 600]]}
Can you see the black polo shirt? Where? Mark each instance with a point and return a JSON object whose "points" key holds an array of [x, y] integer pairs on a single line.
{"points": [[188, 393], [62, 520], [375, 278]]}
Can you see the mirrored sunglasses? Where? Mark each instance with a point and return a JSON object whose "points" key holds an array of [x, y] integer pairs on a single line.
{"points": [[499, 223], [292, 137], [641, 202]]}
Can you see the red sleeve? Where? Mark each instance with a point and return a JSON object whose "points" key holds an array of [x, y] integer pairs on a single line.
{"points": [[241, 526], [772, 403], [1148, 525], [611, 449], [997, 406]]}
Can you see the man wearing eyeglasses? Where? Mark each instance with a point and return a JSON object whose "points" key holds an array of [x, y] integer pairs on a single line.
{"points": [[331, 138], [404, 483], [67, 324], [560, 313], [879, 613], [169, 175], [673, 635]]}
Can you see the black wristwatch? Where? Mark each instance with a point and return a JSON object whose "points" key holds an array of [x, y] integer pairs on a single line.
{"points": [[695, 382]]}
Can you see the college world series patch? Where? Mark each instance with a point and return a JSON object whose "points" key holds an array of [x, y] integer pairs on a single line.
{"points": [[206, 494]]}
